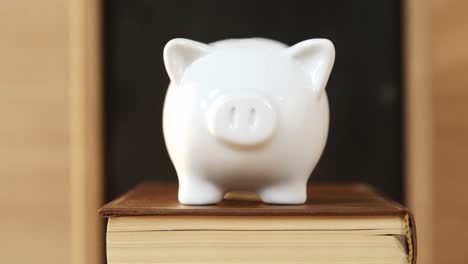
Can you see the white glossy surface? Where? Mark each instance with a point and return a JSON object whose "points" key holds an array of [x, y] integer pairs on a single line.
{"points": [[246, 114], [241, 120]]}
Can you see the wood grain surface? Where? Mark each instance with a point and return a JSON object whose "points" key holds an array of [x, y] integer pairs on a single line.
{"points": [[450, 123], [418, 122], [34, 141], [49, 132], [153, 198]]}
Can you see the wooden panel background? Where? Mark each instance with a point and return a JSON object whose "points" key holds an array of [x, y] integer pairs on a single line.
{"points": [[85, 126], [49, 132], [450, 129], [34, 141], [418, 122], [86, 174], [437, 127]]}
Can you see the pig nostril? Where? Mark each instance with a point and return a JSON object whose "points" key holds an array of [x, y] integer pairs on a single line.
{"points": [[252, 114], [232, 113]]}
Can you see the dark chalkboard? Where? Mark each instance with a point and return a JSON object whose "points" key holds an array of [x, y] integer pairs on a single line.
{"points": [[365, 88]]}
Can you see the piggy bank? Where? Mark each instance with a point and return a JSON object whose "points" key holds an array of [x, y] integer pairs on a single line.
{"points": [[246, 115]]}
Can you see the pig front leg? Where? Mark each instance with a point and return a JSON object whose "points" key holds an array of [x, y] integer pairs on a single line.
{"points": [[293, 192], [194, 190]]}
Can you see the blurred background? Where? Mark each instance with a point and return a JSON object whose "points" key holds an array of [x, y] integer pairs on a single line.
{"points": [[82, 85]]}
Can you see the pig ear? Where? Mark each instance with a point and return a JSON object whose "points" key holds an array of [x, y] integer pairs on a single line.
{"points": [[180, 53], [316, 57]]}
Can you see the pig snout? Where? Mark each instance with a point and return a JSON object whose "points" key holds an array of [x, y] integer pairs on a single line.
{"points": [[242, 121]]}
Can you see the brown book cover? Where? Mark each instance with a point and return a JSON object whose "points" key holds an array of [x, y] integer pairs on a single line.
{"points": [[160, 199]]}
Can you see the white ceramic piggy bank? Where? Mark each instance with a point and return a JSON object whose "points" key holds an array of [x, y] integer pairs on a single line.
{"points": [[246, 114]]}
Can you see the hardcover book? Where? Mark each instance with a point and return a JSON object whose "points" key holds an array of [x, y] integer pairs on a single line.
{"points": [[346, 223]]}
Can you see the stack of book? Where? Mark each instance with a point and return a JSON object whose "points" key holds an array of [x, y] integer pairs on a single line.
{"points": [[338, 224]]}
